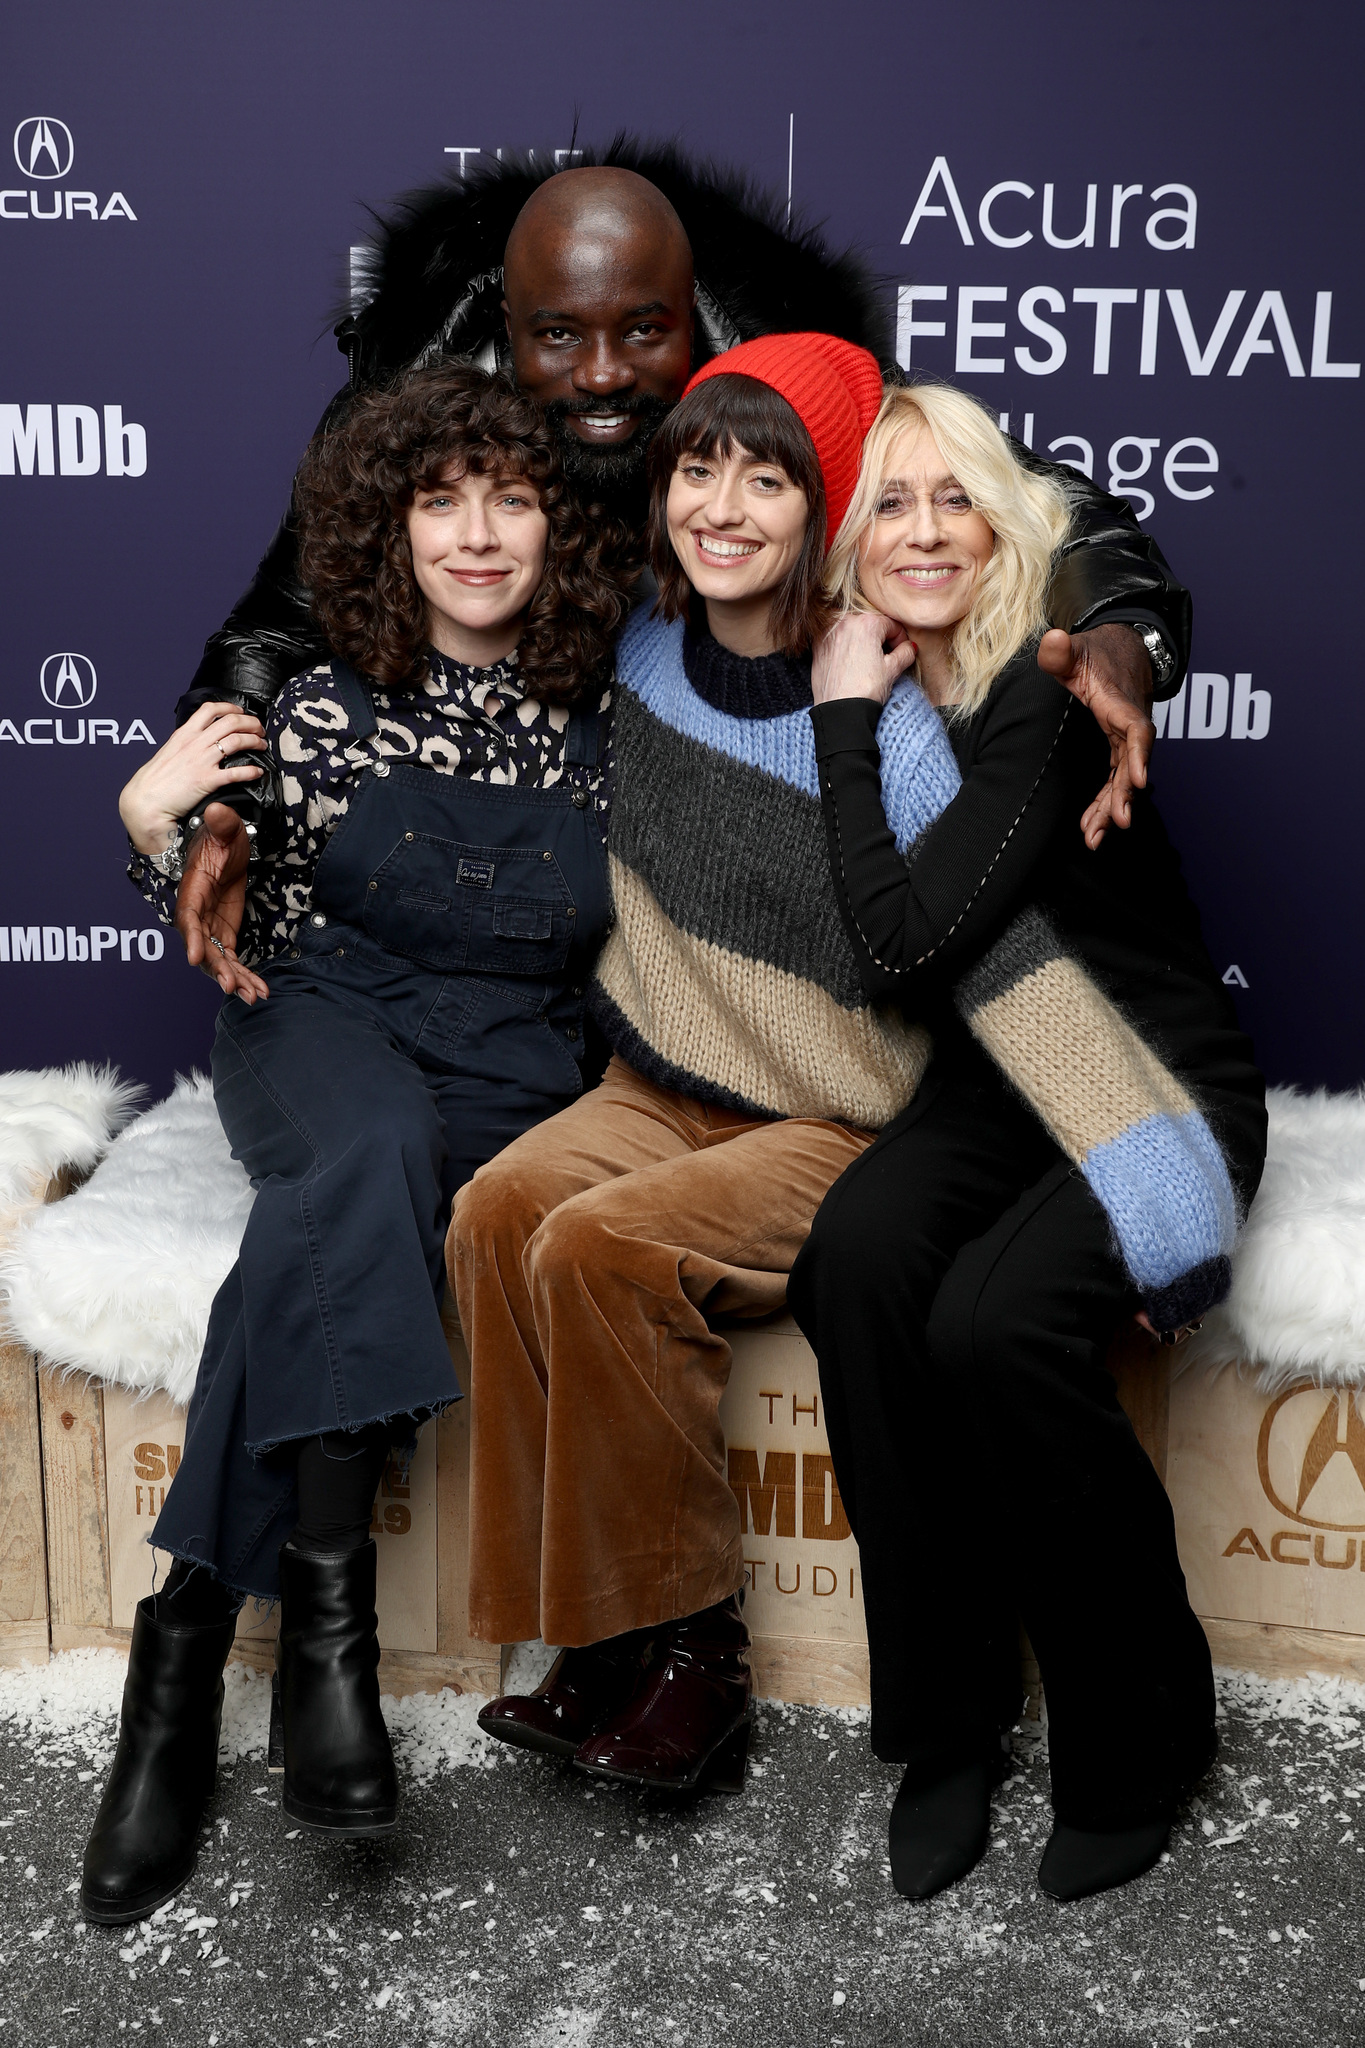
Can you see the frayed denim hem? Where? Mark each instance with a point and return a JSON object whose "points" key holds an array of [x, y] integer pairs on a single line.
{"points": [[419, 1418]]}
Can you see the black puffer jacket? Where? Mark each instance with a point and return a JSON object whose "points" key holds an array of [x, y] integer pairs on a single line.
{"points": [[435, 288]]}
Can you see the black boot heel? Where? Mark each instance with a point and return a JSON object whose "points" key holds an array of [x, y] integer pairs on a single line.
{"points": [[726, 1766], [274, 1749], [339, 1774], [145, 1840]]}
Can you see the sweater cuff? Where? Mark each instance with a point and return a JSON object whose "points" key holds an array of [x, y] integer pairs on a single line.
{"points": [[846, 725]]}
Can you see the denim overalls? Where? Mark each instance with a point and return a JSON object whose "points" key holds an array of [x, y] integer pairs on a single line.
{"points": [[430, 1012]]}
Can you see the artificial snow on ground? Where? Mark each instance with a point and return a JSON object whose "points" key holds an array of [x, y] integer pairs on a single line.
{"points": [[519, 1903]]}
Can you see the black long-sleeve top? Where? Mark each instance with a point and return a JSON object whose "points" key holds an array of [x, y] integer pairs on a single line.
{"points": [[1030, 759]]}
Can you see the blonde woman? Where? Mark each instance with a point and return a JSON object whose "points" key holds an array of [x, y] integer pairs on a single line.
{"points": [[1089, 1128]]}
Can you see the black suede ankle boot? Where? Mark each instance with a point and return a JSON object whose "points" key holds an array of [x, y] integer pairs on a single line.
{"points": [[940, 1824], [145, 1841], [1078, 1862], [339, 1772]]}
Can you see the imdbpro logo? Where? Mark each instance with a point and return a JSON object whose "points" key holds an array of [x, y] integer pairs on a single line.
{"points": [[43, 147], [68, 680]]}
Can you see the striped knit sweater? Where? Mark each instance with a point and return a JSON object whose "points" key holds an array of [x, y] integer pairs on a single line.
{"points": [[729, 975]]}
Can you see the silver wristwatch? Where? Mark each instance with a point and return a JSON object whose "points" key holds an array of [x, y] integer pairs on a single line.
{"points": [[1158, 653]]}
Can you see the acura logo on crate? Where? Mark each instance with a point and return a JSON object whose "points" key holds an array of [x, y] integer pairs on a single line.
{"points": [[43, 147], [68, 679], [1328, 1472]]}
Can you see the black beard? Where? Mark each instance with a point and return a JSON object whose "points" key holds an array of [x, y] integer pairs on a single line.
{"points": [[617, 478]]}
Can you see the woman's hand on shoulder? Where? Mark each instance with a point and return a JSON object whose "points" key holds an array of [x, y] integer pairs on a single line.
{"points": [[188, 768], [863, 655]]}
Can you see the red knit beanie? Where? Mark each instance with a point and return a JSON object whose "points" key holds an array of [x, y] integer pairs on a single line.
{"points": [[834, 388]]}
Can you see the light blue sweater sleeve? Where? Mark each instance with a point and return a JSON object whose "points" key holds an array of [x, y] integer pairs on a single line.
{"points": [[920, 774]]}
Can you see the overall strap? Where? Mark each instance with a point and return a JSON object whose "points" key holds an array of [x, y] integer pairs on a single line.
{"points": [[583, 746], [355, 695]]}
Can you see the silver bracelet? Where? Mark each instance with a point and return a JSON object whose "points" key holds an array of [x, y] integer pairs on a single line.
{"points": [[171, 860]]}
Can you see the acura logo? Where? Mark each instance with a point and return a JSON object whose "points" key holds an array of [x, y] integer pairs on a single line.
{"points": [[1311, 1455], [43, 148], [68, 681]]}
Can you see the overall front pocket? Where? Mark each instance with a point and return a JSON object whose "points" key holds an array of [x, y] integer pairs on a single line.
{"points": [[456, 906]]}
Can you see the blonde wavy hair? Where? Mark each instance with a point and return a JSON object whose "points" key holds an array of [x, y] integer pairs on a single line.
{"points": [[1030, 516]]}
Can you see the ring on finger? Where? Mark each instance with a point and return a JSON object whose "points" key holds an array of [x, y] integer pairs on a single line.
{"points": [[219, 944]]}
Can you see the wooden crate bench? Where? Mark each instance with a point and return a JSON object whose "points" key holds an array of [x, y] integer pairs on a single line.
{"points": [[96, 1461], [1276, 1568], [1268, 1493], [23, 1546], [1269, 1499]]}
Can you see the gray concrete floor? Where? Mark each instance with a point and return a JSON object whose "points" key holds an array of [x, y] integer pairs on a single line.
{"points": [[521, 1904]]}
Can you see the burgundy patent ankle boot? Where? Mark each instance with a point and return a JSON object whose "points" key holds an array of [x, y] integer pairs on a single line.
{"points": [[686, 1726], [582, 1689]]}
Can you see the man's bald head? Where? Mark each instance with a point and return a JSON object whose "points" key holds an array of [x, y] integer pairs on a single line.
{"points": [[598, 300], [598, 208]]}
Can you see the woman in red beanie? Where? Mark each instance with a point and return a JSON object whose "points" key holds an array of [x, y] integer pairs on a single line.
{"points": [[748, 1071]]}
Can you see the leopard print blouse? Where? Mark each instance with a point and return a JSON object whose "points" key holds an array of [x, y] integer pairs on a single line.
{"points": [[475, 722]]}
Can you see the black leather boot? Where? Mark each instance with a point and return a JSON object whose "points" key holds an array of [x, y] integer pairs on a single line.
{"points": [[581, 1690], [145, 1840], [339, 1772], [685, 1728]]}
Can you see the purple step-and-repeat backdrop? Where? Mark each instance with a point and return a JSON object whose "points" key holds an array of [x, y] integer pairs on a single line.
{"points": [[1135, 232]]}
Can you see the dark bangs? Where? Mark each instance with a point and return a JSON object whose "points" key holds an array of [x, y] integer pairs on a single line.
{"points": [[725, 415]]}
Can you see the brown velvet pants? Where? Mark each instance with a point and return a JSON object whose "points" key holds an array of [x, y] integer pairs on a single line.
{"points": [[586, 1259]]}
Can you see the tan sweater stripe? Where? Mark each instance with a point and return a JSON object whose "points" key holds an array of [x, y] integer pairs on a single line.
{"points": [[1081, 1065], [760, 1033]]}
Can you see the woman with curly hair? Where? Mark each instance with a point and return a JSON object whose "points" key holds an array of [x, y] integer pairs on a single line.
{"points": [[405, 980]]}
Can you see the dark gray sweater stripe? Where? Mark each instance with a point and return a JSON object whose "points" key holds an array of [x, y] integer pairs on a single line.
{"points": [[771, 898], [1027, 944]]}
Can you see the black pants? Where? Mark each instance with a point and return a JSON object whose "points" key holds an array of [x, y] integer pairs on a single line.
{"points": [[960, 1289]]}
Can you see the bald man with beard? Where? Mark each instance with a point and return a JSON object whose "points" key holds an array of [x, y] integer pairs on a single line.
{"points": [[598, 296], [601, 288]]}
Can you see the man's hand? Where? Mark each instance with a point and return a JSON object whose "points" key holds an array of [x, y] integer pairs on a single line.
{"points": [[1108, 670], [212, 900], [862, 655]]}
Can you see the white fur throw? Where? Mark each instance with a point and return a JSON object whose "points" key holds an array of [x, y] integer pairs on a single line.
{"points": [[1297, 1306], [117, 1280], [60, 1118]]}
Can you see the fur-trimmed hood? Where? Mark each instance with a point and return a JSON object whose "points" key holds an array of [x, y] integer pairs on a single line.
{"points": [[433, 282]]}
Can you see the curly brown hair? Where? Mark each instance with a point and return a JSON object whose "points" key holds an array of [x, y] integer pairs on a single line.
{"points": [[362, 473]]}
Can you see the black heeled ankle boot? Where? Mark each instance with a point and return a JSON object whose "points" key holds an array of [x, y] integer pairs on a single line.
{"points": [[1078, 1862], [339, 1772], [581, 1690], [145, 1841], [940, 1824], [685, 1728]]}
